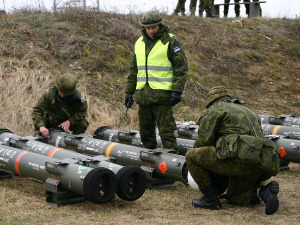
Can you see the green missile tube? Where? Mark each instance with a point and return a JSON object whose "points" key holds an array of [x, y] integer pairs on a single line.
{"points": [[191, 131], [156, 163], [96, 185], [131, 180], [133, 138], [289, 148], [286, 131], [284, 120]]}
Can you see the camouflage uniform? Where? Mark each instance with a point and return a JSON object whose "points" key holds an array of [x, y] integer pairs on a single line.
{"points": [[236, 8], [51, 110], [223, 117], [193, 5], [205, 5], [180, 8], [154, 104]]}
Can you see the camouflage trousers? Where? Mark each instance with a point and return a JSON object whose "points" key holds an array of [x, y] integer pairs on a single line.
{"points": [[180, 6], [205, 5], [162, 115], [236, 7], [193, 5], [242, 178]]}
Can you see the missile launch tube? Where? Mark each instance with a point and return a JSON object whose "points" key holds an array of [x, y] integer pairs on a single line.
{"points": [[289, 148], [131, 180], [133, 138], [191, 131], [158, 162], [284, 120], [286, 131], [96, 185]]}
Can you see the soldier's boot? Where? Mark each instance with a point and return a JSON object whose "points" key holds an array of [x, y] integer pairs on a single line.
{"points": [[210, 15], [192, 12], [210, 200], [254, 197], [182, 13], [268, 194]]}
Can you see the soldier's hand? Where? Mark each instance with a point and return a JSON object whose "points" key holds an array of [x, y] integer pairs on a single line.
{"points": [[128, 100], [44, 131], [175, 98], [65, 126]]}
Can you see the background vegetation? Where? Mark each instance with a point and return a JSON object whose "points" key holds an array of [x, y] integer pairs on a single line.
{"points": [[257, 62]]}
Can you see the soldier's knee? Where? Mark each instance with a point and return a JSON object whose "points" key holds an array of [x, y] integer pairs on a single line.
{"points": [[84, 125], [80, 127], [202, 153], [190, 155]]}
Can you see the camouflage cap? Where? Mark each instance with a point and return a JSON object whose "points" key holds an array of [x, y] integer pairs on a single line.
{"points": [[216, 93], [66, 84], [151, 18]]}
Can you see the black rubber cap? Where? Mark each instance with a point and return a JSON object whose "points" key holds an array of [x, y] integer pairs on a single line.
{"points": [[99, 130], [131, 183], [100, 185]]}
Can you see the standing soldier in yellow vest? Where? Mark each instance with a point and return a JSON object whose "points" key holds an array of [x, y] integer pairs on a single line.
{"points": [[157, 77]]}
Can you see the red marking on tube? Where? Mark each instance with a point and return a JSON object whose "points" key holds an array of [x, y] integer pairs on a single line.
{"points": [[17, 162], [282, 151], [53, 151], [163, 167]]}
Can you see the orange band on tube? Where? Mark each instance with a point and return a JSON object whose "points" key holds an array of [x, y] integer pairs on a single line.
{"points": [[275, 130], [52, 152], [109, 148], [17, 162]]}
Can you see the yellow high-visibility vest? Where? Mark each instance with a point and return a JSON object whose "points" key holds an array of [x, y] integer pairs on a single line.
{"points": [[157, 66]]}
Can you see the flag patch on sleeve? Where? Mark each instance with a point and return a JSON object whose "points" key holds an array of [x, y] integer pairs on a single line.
{"points": [[176, 49]]}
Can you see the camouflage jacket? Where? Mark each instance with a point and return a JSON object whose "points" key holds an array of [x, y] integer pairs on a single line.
{"points": [[147, 96], [224, 117], [51, 109]]}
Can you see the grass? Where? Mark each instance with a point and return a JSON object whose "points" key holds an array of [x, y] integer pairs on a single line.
{"points": [[27, 205], [258, 63]]}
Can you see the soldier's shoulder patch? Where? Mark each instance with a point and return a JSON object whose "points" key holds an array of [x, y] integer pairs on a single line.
{"points": [[176, 49]]}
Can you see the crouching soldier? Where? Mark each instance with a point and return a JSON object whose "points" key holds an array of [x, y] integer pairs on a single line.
{"points": [[230, 143], [61, 106]]}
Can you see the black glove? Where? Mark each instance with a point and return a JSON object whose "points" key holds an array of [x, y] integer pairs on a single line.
{"points": [[128, 100], [175, 98]]}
